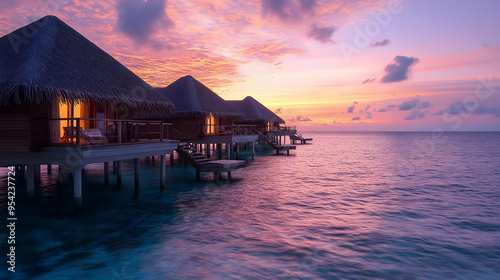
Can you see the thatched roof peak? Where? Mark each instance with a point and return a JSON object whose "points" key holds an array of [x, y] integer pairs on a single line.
{"points": [[193, 99], [47, 60], [254, 111]]}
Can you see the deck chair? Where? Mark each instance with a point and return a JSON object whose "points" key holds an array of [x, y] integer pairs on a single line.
{"points": [[224, 131], [90, 136], [94, 136]]}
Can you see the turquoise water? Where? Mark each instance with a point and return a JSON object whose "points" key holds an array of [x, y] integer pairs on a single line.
{"points": [[349, 206]]}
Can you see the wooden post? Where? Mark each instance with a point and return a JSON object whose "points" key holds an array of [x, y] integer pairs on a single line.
{"points": [[136, 173], [21, 171], [78, 132], [153, 158], [219, 151], [229, 175], [197, 175], [228, 150], [287, 152], [114, 167], [253, 149], [106, 173], [277, 151], [172, 157], [162, 171], [208, 150], [31, 181], [49, 169], [237, 150], [161, 131], [136, 132], [119, 172], [37, 173], [77, 186], [216, 175], [119, 132]]}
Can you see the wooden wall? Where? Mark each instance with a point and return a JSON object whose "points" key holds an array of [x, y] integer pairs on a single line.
{"points": [[186, 129], [24, 128]]}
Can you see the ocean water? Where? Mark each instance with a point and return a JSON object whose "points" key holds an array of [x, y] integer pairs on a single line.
{"points": [[348, 206]]}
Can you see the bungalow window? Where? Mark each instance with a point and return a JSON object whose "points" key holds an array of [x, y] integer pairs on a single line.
{"points": [[210, 125], [269, 126]]}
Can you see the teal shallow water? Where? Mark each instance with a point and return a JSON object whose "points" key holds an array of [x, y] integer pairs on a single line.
{"points": [[349, 206]]}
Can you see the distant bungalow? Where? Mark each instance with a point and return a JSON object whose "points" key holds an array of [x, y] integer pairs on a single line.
{"points": [[59, 93], [204, 118]]}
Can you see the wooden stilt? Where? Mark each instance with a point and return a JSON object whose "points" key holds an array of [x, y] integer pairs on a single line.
{"points": [[237, 150], [31, 181], [162, 171], [229, 175], [153, 158], [172, 158], [119, 172], [77, 186], [228, 150], [136, 173], [106, 173], [197, 175], [287, 152], [21, 171], [49, 169], [37, 173], [114, 167]]}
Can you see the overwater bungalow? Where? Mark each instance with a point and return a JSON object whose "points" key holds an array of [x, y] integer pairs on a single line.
{"points": [[204, 118], [269, 125], [66, 102]]}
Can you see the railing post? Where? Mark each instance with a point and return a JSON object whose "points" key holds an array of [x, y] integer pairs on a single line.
{"points": [[161, 131], [119, 132], [78, 132]]}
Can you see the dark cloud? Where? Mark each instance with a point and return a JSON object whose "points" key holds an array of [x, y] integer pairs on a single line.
{"points": [[399, 70], [300, 119], [140, 19], [288, 10], [350, 109], [387, 108], [321, 34], [367, 81], [356, 119], [412, 104], [417, 114], [368, 115], [457, 108], [382, 43], [277, 111]]}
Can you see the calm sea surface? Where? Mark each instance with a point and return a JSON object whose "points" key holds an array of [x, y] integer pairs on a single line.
{"points": [[349, 206]]}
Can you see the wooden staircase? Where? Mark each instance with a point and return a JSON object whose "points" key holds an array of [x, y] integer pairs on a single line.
{"points": [[277, 146], [298, 137], [203, 164]]}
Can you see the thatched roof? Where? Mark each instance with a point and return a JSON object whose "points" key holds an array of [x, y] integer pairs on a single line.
{"points": [[254, 111], [48, 59], [193, 99]]}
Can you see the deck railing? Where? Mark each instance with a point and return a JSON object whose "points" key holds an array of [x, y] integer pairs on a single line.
{"points": [[220, 130], [283, 128], [111, 130]]}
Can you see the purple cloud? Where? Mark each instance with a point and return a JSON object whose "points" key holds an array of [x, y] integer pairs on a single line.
{"points": [[140, 19], [321, 34], [399, 70], [382, 43], [288, 11]]}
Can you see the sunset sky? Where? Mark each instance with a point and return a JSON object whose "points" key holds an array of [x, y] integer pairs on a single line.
{"points": [[321, 65]]}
